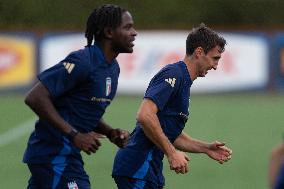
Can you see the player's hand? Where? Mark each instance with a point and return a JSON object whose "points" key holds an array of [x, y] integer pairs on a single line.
{"points": [[219, 152], [179, 162], [119, 137], [88, 142]]}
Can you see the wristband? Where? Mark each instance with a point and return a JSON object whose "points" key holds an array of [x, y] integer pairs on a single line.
{"points": [[72, 134]]}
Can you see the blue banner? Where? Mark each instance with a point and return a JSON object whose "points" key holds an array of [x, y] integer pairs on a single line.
{"points": [[277, 63]]}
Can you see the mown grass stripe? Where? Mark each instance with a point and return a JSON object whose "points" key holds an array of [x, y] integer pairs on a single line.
{"points": [[16, 132]]}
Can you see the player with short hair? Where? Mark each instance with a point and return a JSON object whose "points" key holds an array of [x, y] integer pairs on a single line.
{"points": [[70, 99], [163, 114]]}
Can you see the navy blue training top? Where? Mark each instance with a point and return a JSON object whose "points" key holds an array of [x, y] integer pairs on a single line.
{"points": [[82, 86], [170, 91]]}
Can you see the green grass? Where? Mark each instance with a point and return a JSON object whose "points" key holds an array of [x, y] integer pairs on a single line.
{"points": [[250, 124], [13, 111]]}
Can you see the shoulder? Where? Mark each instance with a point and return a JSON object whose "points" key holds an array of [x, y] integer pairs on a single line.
{"points": [[171, 70], [80, 55], [80, 58], [77, 62]]}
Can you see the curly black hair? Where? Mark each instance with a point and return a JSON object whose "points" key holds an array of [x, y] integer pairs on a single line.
{"points": [[105, 16]]}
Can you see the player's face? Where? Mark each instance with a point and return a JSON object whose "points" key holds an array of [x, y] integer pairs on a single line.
{"points": [[124, 35], [209, 61]]}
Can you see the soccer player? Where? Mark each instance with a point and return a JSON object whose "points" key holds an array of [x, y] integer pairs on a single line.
{"points": [[163, 114], [70, 99], [276, 168]]}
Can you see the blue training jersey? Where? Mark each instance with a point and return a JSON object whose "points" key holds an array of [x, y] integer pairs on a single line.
{"points": [[170, 91], [279, 184], [82, 86]]}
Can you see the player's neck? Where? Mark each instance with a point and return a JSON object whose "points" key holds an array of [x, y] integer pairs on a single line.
{"points": [[191, 67], [108, 51]]}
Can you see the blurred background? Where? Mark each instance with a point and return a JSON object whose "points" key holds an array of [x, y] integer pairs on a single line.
{"points": [[242, 103]]}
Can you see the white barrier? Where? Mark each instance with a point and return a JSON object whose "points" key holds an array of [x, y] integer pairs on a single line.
{"points": [[244, 64]]}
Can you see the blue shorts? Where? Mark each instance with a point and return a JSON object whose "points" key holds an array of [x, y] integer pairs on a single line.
{"points": [[130, 183], [59, 176]]}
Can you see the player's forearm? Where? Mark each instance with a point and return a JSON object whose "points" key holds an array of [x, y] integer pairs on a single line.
{"points": [[187, 144], [152, 129], [103, 128], [39, 101]]}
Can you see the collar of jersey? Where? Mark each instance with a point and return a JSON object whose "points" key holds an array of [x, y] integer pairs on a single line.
{"points": [[101, 55], [187, 72]]}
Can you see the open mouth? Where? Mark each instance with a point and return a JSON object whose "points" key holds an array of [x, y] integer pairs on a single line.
{"points": [[131, 43]]}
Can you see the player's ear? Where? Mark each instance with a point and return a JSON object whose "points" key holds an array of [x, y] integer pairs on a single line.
{"points": [[108, 32], [198, 51]]}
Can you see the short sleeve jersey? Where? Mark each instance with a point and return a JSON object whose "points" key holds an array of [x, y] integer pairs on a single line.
{"points": [[81, 86], [170, 91], [279, 183]]}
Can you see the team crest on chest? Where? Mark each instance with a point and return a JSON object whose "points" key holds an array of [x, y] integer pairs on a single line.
{"points": [[108, 86]]}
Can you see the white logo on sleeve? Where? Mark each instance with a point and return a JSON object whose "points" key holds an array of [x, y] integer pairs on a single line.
{"points": [[72, 185], [68, 66], [171, 81]]}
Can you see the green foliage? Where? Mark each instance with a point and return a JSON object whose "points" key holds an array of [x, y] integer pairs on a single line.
{"points": [[148, 14], [250, 124]]}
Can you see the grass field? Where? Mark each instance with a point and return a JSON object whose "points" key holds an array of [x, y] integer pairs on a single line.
{"points": [[251, 124]]}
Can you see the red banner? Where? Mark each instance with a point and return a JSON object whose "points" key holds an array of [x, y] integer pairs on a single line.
{"points": [[17, 61]]}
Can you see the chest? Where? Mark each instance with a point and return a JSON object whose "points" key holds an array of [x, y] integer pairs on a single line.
{"points": [[181, 99], [103, 83], [100, 87]]}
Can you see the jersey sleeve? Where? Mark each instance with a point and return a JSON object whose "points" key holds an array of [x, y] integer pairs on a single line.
{"points": [[65, 75], [163, 86]]}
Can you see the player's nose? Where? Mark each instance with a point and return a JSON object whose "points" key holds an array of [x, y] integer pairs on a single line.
{"points": [[134, 32], [215, 65]]}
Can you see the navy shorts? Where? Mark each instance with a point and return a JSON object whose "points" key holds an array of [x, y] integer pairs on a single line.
{"points": [[59, 176], [130, 183]]}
